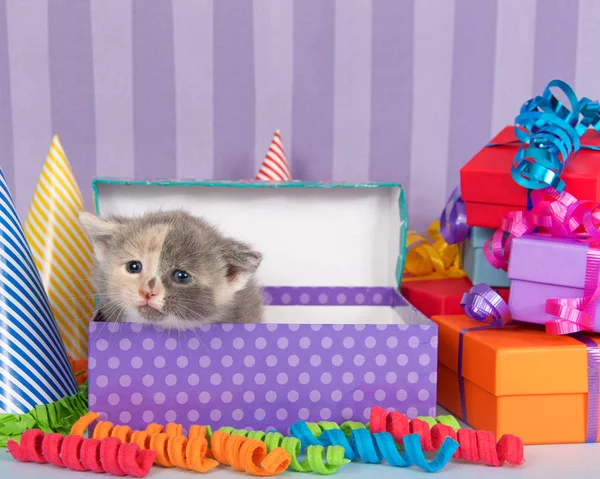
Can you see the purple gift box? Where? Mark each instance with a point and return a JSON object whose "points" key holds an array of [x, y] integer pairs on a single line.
{"points": [[337, 339], [542, 268]]}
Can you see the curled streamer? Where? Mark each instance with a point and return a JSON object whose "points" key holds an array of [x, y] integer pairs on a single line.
{"points": [[318, 459], [556, 214], [74, 452], [453, 221], [172, 448], [482, 303], [360, 444], [249, 455], [474, 446], [431, 257], [550, 133]]}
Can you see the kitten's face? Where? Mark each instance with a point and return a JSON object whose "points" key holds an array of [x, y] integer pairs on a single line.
{"points": [[167, 267]]}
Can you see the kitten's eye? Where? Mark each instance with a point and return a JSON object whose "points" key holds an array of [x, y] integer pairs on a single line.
{"points": [[134, 267], [180, 276]]}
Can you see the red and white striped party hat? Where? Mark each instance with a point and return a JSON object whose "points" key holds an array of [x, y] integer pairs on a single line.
{"points": [[275, 166]]}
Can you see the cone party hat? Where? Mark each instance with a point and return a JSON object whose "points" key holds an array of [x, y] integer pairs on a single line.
{"points": [[275, 166], [61, 249], [34, 368]]}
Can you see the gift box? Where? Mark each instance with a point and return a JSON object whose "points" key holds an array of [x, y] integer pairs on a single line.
{"points": [[478, 269], [519, 380], [440, 297], [543, 268], [337, 338], [489, 191]]}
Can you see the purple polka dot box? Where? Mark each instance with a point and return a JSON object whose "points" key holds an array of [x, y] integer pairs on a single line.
{"points": [[337, 337]]}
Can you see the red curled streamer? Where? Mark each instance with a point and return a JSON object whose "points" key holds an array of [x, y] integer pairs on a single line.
{"points": [[74, 452], [474, 446]]}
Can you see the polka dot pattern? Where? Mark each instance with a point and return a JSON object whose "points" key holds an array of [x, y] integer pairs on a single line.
{"points": [[317, 296], [262, 375]]}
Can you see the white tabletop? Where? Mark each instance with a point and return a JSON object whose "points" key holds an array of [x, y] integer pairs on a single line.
{"points": [[557, 461]]}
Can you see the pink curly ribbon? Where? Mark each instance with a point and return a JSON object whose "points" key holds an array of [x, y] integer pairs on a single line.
{"points": [[453, 221], [558, 215], [577, 314]]}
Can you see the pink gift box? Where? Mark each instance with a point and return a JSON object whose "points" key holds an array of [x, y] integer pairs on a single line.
{"points": [[542, 268]]}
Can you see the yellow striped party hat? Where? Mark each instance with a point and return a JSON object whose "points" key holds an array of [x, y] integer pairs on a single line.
{"points": [[61, 249]]}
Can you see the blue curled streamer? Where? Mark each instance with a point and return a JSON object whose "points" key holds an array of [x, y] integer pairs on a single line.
{"points": [[373, 448], [550, 135]]}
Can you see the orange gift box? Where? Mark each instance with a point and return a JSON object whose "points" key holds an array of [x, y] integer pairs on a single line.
{"points": [[489, 191], [517, 380]]}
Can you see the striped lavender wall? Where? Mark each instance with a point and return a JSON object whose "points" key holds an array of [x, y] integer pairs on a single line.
{"points": [[361, 89]]}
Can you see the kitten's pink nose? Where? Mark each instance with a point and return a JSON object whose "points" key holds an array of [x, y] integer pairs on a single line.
{"points": [[147, 294]]}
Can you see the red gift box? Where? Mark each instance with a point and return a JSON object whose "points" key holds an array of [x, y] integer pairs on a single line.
{"points": [[440, 297], [489, 191]]}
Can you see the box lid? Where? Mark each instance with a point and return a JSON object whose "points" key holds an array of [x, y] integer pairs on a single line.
{"points": [[310, 234], [518, 359], [490, 167], [542, 259]]}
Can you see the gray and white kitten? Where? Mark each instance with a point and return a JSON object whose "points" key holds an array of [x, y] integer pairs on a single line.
{"points": [[172, 268]]}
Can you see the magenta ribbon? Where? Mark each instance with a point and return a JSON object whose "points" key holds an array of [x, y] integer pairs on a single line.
{"points": [[577, 314], [593, 366], [556, 214], [453, 221]]}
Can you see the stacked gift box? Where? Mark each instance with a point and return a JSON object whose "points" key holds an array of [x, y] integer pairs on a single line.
{"points": [[528, 365]]}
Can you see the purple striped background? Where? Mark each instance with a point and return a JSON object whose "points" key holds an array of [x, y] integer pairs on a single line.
{"points": [[361, 89]]}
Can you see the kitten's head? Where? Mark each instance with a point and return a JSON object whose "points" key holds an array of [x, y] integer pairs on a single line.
{"points": [[169, 267]]}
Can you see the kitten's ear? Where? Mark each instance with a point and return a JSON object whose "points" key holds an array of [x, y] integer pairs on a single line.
{"points": [[100, 231], [242, 262]]}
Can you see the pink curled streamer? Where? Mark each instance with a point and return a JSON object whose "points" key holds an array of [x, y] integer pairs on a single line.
{"points": [[556, 214]]}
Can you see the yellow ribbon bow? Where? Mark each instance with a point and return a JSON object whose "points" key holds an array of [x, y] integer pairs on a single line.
{"points": [[431, 257]]}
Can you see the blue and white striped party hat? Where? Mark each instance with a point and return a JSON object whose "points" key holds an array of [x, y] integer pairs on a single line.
{"points": [[34, 368]]}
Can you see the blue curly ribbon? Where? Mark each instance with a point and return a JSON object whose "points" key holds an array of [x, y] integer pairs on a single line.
{"points": [[550, 136], [373, 448]]}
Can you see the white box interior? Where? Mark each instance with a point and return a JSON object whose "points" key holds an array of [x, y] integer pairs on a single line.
{"points": [[308, 236], [343, 315]]}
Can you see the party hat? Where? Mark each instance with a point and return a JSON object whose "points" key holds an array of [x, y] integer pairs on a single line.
{"points": [[61, 249], [275, 166], [34, 368]]}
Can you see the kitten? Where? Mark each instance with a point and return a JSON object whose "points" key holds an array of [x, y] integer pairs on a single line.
{"points": [[172, 268]]}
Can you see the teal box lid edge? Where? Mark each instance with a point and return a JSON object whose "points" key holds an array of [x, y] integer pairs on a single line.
{"points": [[247, 183]]}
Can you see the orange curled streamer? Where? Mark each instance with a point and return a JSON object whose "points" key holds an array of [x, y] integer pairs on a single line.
{"points": [[172, 448], [474, 446], [192, 452], [249, 455]]}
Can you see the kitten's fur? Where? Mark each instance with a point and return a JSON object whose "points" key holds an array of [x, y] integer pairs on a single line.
{"points": [[221, 288]]}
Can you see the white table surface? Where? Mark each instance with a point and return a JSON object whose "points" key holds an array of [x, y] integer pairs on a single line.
{"points": [[557, 461]]}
